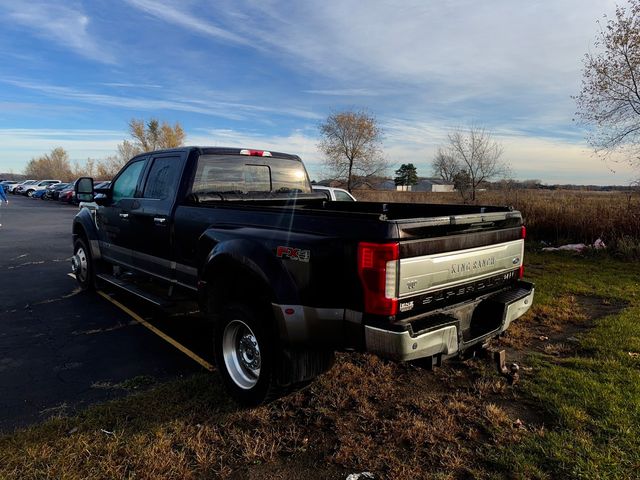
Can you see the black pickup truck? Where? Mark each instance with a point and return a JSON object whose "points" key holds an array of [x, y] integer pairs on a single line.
{"points": [[289, 277]]}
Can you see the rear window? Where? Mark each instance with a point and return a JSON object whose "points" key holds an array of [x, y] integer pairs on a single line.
{"points": [[244, 174]]}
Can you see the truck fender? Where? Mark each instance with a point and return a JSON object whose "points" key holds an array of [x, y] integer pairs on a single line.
{"points": [[84, 225], [257, 260]]}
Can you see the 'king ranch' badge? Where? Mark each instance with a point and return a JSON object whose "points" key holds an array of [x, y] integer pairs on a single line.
{"points": [[292, 253]]}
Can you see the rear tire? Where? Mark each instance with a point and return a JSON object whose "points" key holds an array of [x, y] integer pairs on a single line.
{"points": [[252, 362], [246, 355]]}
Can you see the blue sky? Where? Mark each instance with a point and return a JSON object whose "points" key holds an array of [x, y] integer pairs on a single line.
{"points": [[264, 73]]}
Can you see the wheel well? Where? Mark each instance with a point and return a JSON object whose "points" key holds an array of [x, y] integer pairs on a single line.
{"points": [[78, 231], [230, 281]]}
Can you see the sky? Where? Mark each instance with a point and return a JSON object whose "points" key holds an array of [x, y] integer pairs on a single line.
{"points": [[265, 73]]}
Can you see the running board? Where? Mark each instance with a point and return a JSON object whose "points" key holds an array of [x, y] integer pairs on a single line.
{"points": [[134, 290]]}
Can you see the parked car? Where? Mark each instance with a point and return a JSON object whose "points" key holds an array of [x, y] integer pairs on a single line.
{"points": [[18, 187], [41, 185], [52, 192], [7, 183], [67, 195], [38, 194], [334, 194]]}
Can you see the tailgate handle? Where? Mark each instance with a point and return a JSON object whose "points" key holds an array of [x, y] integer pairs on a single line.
{"points": [[160, 221], [124, 215]]}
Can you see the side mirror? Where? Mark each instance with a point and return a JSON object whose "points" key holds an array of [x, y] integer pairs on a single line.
{"points": [[84, 189]]}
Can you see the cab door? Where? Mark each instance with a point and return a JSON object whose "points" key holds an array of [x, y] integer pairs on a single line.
{"points": [[113, 221], [152, 220]]}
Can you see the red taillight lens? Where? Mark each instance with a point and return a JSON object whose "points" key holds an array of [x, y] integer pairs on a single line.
{"points": [[378, 269], [523, 235]]}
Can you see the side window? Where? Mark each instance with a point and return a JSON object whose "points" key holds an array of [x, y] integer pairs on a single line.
{"points": [[125, 185], [326, 193], [163, 178], [342, 196]]}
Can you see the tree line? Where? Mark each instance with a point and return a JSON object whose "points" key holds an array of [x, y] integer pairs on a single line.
{"points": [[350, 141], [145, 137]]}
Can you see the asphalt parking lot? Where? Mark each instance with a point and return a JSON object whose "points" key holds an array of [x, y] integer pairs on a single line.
{"points": [[62, 349]]}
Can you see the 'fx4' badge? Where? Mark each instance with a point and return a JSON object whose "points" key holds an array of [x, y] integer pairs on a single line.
{"points": [[292, 253]]}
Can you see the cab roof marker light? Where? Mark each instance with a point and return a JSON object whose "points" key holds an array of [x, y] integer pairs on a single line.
{"points": [[255, 153]]}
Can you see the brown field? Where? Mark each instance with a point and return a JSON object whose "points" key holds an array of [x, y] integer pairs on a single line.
{"points": [[553, 216]]}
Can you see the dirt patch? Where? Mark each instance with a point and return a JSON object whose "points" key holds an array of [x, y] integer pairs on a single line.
{"points": [[555, 329]]}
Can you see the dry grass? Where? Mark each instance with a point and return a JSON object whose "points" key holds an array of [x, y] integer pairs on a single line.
{"points": [[555, 216], [366, 414]]}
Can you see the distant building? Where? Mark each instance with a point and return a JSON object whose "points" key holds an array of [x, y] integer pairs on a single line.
{"points": [[432, 185]]}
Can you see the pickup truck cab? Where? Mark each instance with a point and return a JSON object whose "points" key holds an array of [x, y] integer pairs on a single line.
{"points": [[288, 277]]}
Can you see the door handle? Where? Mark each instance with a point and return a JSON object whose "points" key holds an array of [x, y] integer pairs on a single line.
{"points": [[160, 221], [124, 215]]}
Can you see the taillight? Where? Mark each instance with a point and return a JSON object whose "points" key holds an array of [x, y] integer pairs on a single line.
{"points": [[378, 270], [523, 235], [255, 153]]}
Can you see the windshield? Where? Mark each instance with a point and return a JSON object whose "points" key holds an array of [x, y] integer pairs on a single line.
{"points": [[241, 174]]}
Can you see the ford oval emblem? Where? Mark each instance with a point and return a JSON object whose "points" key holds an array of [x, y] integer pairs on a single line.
{"points": [[516, 260]]}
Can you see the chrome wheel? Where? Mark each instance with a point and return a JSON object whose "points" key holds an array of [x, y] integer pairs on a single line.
{"points": [[80, 265], [241, 354]]}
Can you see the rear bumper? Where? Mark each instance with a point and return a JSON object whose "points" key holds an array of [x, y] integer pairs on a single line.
{"points": [[448, 339]]}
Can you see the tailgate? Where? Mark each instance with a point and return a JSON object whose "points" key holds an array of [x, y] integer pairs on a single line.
{"points": [[432, 272], [442, 278]]}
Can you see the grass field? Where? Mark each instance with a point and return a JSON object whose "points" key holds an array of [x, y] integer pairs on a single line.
{"points": [[553, 216], [575, 413]]}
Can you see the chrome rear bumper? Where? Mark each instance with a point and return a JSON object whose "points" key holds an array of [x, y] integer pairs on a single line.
{"points": [[447, 340]]}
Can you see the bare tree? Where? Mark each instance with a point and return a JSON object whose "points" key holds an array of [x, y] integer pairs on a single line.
{"points": [[352, 145], [609, 99], [445, 165], [474, 156]]}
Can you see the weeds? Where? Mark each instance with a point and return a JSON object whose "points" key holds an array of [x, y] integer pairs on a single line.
{"points": [[553, 216]]}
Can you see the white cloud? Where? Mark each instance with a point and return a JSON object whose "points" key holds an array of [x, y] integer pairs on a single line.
{"points": [[19, 145], [499, 62], [167, 12], [296, 142], [130, 85], [346, 92], [171, 101], [66, 25]]}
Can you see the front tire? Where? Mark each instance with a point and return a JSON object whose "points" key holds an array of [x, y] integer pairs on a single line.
{"points": [[83, 264]]}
